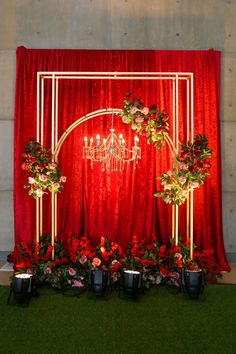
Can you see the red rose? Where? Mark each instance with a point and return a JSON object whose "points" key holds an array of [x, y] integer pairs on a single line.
{"points": [[164, 271], [179, 263], [19, 265], [102, 241], [25, 166], [32, 159]]}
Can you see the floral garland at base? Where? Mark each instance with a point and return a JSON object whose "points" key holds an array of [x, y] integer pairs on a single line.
{"points": [[74, 257]]}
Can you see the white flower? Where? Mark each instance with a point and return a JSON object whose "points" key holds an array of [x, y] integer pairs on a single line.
{"points": [[125, 119], [31, 180], [39, 192], [182, 179]]}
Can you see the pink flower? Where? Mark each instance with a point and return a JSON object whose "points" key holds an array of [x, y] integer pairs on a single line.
{"points": [[182, 179], [83, 259], [133, 110], [145, 110], [169, 173], [63, 179], [48, 270], [175, 275], [78, 284], [43, 178], [139, 120], [71, 271], [178, 256], [182, 166], [96, 262], [31, 180]]}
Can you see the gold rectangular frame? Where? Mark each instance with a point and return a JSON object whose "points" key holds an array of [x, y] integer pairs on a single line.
{"points": [[56, 76]]}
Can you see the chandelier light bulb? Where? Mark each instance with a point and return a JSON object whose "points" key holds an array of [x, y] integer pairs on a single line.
{"points": [[98, 141]]}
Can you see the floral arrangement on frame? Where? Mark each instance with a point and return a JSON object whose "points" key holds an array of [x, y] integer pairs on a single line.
{"points": [[190, 166], [44, 174]]}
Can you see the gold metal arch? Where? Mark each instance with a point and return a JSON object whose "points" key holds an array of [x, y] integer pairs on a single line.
{"points": [[79, 121], [56, 143]]}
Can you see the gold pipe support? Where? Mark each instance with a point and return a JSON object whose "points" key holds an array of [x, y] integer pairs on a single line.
{"points": [[191, 224], [37, 219], [176, 225], [53, 223], [173, 223]]}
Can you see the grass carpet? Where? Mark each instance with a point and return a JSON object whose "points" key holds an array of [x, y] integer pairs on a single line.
{"points": [[160, 322]]}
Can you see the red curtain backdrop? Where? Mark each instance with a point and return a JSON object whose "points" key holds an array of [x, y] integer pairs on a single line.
{"points": [[117, 204]]}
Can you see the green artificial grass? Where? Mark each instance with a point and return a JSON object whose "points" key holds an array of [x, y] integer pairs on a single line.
{"points": [[161, 321]]}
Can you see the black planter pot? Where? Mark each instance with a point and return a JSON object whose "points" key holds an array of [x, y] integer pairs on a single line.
{"points": [[22, 287], [99, 281], [193, 282], [131, 283]]}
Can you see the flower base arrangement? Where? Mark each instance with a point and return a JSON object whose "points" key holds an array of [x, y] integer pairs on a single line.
{"points": [[76, 257]]}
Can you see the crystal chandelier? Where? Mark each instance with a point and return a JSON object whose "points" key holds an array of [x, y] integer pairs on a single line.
{"points": [[111, 152]]}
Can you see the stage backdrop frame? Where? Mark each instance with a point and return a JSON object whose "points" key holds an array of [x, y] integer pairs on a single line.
{"points": [[56, 142]]}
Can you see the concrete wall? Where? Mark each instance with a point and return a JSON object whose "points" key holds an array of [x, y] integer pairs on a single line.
{"points": [[118, 24]]}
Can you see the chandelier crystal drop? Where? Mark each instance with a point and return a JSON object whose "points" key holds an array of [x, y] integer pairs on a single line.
{"points": [[111, 152]]}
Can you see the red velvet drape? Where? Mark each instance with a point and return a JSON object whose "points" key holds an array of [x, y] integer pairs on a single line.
{"points": [[117, 204]]}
